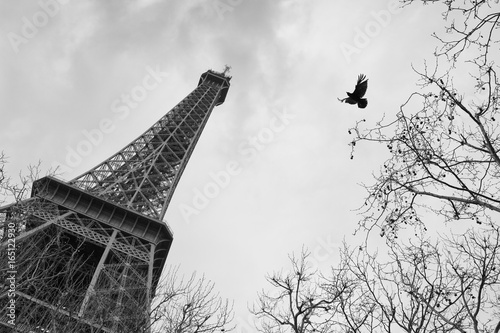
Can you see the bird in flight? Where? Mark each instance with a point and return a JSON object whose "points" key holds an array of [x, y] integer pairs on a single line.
{"points": [[356, 97]]}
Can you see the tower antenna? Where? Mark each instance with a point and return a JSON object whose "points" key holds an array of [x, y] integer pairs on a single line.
{"points": [[227, 69]]}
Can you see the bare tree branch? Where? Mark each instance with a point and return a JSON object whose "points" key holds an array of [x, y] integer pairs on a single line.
{"points": [[444, 156]]}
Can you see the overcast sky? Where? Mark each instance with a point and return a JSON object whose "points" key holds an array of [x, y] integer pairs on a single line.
{"points": [[66, 66]]}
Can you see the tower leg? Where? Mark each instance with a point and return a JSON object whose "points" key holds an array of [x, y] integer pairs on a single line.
{"points": [[90, 290]]}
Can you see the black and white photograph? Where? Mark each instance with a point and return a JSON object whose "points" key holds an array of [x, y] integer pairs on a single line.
{"points": [[274, 166]]}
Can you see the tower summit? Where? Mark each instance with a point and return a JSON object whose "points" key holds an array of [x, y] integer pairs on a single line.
{"points": [[86, 255]]}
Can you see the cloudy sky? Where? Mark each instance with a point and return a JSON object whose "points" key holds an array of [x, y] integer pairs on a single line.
{"points": [[65, 66]]}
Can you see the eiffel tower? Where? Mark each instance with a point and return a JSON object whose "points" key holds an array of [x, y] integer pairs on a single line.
{"points": [[87, 255]]}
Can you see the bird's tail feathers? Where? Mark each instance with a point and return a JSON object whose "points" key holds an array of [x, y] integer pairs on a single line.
{"points": [[362, 103]]}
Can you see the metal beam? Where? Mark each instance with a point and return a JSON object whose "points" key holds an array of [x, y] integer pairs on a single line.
{"points": [[90, 289]]}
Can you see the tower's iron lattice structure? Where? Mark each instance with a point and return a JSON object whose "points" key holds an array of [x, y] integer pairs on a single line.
{"points": [[86, 255]]}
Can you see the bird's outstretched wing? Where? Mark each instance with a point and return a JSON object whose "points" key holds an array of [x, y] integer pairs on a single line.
{"points": [[361, 86]]}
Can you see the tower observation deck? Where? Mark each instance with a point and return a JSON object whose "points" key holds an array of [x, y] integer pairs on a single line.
{"points": [[86, 255]]}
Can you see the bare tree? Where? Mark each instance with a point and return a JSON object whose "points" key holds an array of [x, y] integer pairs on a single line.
{"points": [[18, 189], [300, 300], [189, 306], [2, 165], [443, 162], [449, 285], [443, 143]]}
